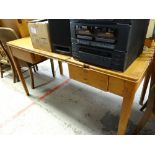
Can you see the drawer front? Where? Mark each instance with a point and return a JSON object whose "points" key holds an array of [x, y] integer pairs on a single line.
{"points": [[116, 86], [26, 56], [88, 76], [22, 55]]}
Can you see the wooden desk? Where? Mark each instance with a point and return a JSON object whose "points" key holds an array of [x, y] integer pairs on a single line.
{"points": [[123, 84]]}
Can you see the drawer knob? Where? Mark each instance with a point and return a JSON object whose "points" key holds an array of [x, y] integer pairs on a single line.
{"points": [[86, 66]]}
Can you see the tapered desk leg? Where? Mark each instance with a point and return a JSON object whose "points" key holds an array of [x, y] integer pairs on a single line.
{"points": [[60, 67], [52, 67], [31, 76], [129, 93], [18, 69], [146, 82]]}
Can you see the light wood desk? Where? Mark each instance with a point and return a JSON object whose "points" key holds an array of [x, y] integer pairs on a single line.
{"points": [[123, 84]]}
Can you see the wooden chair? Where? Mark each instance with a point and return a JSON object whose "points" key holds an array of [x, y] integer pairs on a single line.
{"points": [[5, 60], [150, 104], [26, 59]]}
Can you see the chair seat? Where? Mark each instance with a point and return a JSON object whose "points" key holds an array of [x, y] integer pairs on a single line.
{"points": [[4, 61]]}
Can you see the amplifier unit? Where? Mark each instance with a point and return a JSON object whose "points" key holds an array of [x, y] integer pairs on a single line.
{"points": [[114, 44]]}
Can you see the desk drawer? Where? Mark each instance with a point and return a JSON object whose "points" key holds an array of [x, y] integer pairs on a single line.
{"points": [[116, 86], [26, 56], [88, 76]]}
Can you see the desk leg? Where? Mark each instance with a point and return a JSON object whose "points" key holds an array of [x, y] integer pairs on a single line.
{"points": [[18, 69], [129, 93], [60, 67], [52, 67], [145, 86]]}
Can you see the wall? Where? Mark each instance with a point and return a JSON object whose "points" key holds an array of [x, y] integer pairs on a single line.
{"points": [[150, 28], [10, 23]]}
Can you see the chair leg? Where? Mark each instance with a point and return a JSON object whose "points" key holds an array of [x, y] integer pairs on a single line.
{"points": [[17, 78], [14, 78], [1, 69], [52, 67], [31, 76], [14, 75]]}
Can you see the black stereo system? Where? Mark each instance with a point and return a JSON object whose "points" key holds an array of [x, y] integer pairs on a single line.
{"points": [[113, 44], [109, 43]]}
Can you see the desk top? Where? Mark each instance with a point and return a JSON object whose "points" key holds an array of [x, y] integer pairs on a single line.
{"points": [[26, 44], [134, 73]]}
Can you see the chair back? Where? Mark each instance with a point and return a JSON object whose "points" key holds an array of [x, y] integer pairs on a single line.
{"points": [[3, 56], [6, 34]]}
